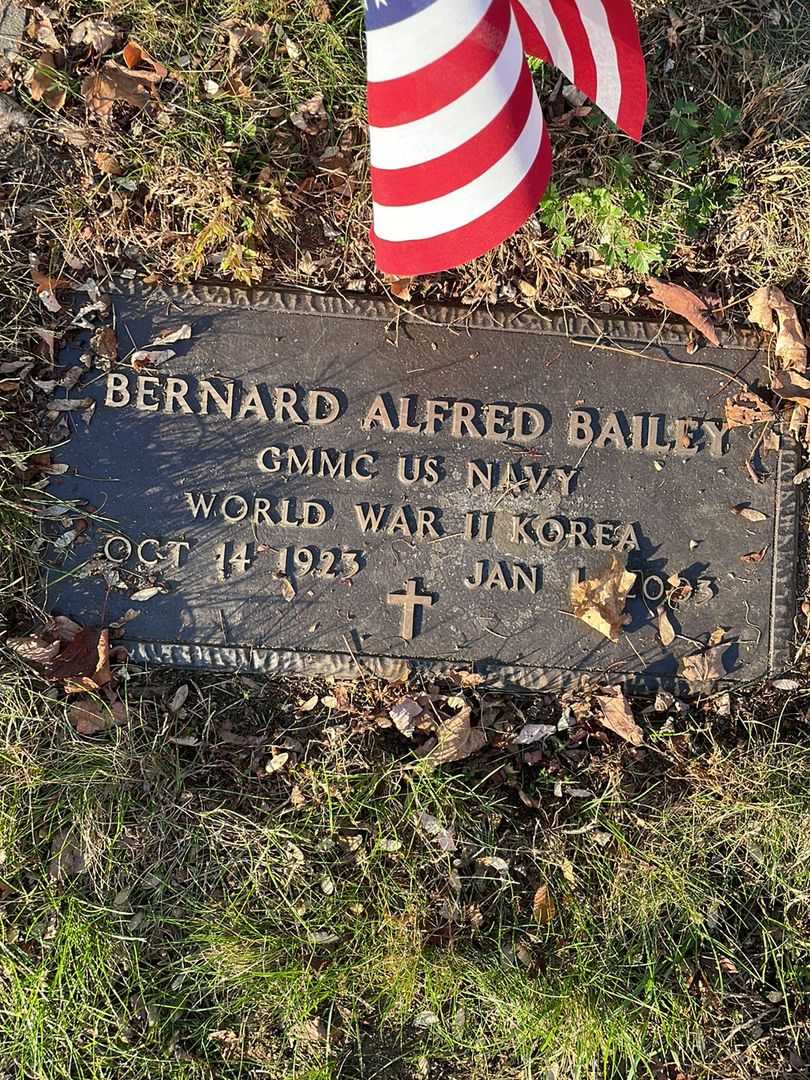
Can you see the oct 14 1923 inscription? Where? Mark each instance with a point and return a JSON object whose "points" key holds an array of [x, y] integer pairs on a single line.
{"points": [[306, 485]]}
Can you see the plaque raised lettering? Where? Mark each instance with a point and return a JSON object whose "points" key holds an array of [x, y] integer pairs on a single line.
{"points": [[315, 484]]}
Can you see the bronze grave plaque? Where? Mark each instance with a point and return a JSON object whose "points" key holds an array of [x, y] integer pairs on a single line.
{"points": [[315, 483]]}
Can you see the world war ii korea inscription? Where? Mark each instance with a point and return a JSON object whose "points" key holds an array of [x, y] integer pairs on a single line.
{"points": [[307, 485]]}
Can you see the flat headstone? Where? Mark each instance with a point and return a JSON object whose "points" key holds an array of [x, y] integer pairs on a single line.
{"points": [[316, 484]]}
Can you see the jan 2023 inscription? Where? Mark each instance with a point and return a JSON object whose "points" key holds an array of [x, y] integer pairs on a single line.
{"points": [[301, 484]]}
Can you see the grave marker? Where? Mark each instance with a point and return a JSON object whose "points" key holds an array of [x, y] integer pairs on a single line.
{"points": [[314, 483]]}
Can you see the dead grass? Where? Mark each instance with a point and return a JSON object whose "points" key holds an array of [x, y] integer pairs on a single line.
{"points": [[223, 185]]}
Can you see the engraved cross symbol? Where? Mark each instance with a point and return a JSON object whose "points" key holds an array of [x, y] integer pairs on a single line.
{"points": [[410, 601]]}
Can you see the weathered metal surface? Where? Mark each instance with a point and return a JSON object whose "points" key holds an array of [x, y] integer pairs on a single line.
{"points": [[314, 483]]}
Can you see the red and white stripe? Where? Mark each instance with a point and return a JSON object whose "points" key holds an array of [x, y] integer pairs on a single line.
{"points": [[459, 152], [595, 44], [460, 155]]}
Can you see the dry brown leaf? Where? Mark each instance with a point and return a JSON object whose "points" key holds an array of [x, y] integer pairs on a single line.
{"points": [[147, 358], [791, 386], [42, 80], [543, 907], [63, 628], [666, 631], [70, 404], [401, 288], [33, 650], [168, 337], [599, 601], [772, 311], [97, 33], [112, 83], [704, 668], [321, 12], [107, 163], [746, 408], [40, 28], [617, 715], [310, 116], [755, 556], [134, 56], [90, 716], [684, 302], [104, 343], [405, 714], [456, 739], [84, 663], [748, 512]]}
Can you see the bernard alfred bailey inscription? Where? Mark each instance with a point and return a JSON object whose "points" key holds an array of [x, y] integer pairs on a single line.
{"points": [[308, 485]]}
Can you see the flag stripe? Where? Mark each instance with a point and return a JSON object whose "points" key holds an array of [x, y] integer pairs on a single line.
{"points": [[459, 207], [458, 246], [603, 50], [624, 31], [542, 34], [399, 101], [443, 130], [399, 187], [406, 46]]}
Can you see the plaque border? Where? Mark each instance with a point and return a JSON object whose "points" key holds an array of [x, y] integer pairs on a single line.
{"points": [[271, 661]]}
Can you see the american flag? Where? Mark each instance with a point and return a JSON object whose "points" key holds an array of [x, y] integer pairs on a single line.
{"points": [[460, 154]]}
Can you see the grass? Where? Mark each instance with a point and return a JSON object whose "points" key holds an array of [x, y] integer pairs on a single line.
{"points": [[172, 909], [224, 184], [168, 907]]}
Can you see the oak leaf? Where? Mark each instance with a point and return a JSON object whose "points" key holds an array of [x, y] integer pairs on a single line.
{"points": [[599, 602], [134, 56], [112, 83], [684, 302], [772, 311], [617, 715]]}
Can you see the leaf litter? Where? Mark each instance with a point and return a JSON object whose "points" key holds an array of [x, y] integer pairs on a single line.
{"points": [[617, 716], [600, 601], [683, 302]]}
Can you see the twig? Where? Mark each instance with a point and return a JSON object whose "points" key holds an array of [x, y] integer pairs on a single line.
{"points": [[662, 359]]}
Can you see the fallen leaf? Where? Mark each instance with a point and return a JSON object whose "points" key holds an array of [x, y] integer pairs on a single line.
{"points": [[107, 163], [802, 476], [63, 628], [401, 288], [746, 408], [147, 593], [134, 56], [704, 668], [436, 831], [618, 716], [90, 716], [33, 650], [292, 49], [169, 337], [321, 12], [748, 512], [791, 386], [755, 556], [309, 704], [147, 358], [543, 907], [456, 739], [527, 289], [40, 28], [42, 80], [277, 762], [772, 311], [599, 601], [112, 83], [683, 302], [786, 684], [104, 343], [621, 292], [532, 733], [310, 116], [84, 663], [405, 714], [97, 33], [70, 404], [666, 631], [469, 679], [178, 698]]}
